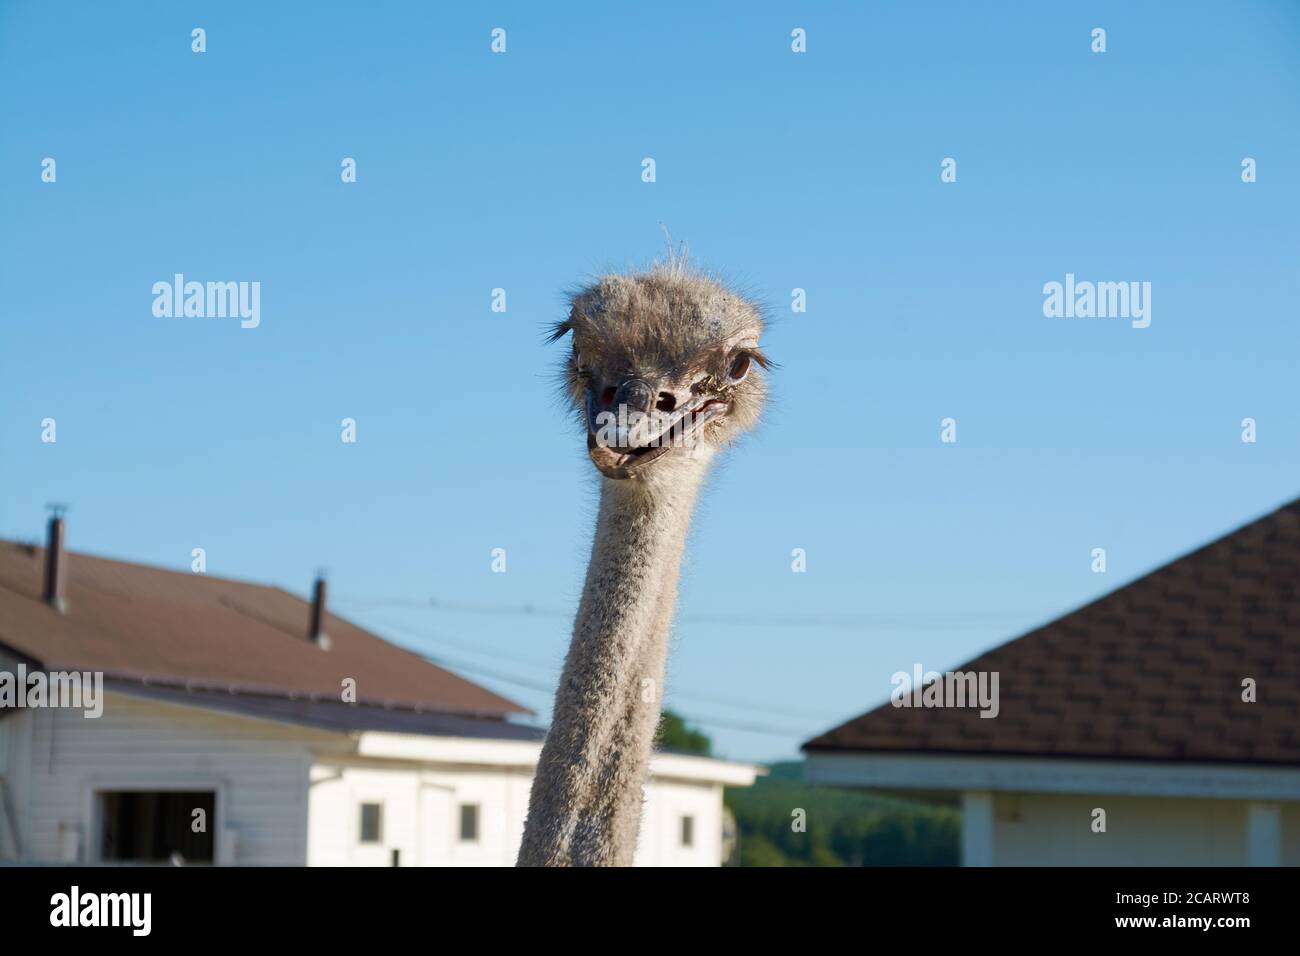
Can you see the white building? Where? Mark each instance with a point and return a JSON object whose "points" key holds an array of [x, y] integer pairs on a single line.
{"points": [[224, 736], [1157, 726]]}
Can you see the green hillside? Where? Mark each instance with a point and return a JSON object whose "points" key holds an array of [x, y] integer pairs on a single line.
{"points": [[843, 827]]}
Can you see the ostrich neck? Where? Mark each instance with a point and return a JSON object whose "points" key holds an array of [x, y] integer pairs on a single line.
{"points": [[585, 807]]}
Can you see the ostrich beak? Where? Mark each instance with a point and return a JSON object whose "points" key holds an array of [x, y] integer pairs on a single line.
{"points": [[620, 440], [619, 465], [625, 443]]}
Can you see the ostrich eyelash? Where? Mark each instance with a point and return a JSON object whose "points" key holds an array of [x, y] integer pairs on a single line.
{"points": [[755, 355]]}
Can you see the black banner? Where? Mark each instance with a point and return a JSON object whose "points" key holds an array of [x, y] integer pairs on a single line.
{"points": [[324, 905]]}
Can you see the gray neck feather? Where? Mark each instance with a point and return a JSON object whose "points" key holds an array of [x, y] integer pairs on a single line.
{"points": [[585, 806]]}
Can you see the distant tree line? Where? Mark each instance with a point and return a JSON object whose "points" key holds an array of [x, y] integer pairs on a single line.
{"points": [[837, 827], [840, 827]]}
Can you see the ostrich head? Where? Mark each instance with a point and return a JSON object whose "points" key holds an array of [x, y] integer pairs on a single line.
{"points": [[665, 369]]}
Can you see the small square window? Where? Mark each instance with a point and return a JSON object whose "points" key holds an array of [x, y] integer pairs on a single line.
{"points": [[469, 822], [688, 831], [372, 819]]}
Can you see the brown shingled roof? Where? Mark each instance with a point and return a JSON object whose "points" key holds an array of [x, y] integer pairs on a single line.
{"points": [[1151, 671], [141, 622]]}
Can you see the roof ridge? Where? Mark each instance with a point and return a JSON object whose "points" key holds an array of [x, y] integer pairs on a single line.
{"points": [[283, 693], [132, 563], [147, 621], [1293, 504], [1153, 669]]}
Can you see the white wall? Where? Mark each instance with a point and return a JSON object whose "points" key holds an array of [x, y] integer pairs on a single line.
{"points": [[8, 835], [258, 769], [5, 732], [290, 795], [667, 801], [1055, 830], [1291, 834], [422, 816], [8, 721]]}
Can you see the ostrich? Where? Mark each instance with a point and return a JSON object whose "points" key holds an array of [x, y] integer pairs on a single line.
{"points": [[664, 371]]}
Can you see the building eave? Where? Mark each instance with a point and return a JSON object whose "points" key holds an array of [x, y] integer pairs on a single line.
{"points": [[951, 774], [519, 754]]}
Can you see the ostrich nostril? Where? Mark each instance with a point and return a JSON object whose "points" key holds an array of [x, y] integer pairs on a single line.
{"points": [[667, 402]]}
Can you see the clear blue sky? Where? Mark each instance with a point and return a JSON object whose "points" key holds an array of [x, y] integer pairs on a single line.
{"points": [[522, 171]]}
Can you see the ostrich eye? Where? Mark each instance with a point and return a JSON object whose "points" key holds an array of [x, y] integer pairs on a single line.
{"points": [[739, 368]]}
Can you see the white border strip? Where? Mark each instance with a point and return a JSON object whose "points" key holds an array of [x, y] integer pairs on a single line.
{"points": [[937, 772]]}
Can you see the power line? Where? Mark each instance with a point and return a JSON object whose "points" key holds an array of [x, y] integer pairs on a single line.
{"points": [[697, 719], [468, 647], [685, 693], [935, 620]]}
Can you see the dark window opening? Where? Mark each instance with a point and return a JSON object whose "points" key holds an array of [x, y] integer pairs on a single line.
{"points": [[371, 822], [158, 827], [688, 831], [468, 822]]}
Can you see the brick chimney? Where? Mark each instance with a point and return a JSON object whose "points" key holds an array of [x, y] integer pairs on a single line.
{"points": [[317, 634], [56, 563]]}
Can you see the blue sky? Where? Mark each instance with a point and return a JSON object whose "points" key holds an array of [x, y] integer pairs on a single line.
{"points": [[522, 171]]}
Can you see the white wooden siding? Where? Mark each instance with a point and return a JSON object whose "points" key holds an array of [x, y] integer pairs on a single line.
{"points": [[259, 770], [1291, 834], [667, 801], [289, 795], [422, 816], [6, 722], [1049, 830]]}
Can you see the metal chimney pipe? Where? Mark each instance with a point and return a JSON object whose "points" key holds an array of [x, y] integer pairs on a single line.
{"points": [[55, 565], [317, 633]]}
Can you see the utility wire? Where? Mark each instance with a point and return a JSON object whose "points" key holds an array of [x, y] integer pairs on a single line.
{"points": [[471, 648], [700, 720], [938, 620], [685, 693], [697, 719]]}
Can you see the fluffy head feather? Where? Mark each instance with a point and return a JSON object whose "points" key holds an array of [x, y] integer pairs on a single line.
{"points": [[693, 341]]}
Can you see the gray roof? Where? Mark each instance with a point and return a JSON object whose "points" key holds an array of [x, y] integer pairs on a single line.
{"points": [[152, 624], [329, 714]]}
